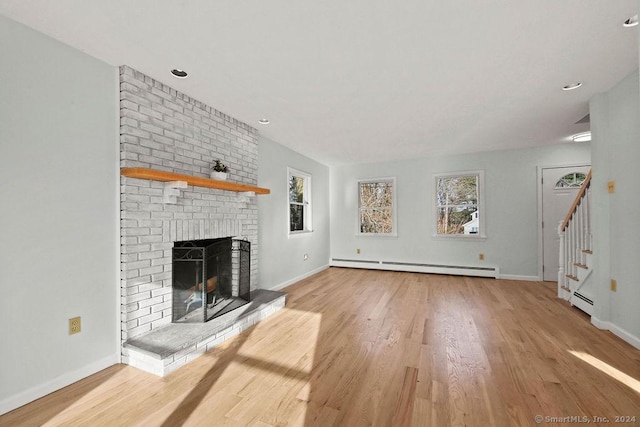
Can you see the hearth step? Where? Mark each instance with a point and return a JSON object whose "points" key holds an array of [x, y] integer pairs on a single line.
{"points": [[167, 348]]}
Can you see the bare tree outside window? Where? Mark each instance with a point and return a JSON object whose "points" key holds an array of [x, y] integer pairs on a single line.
{"points": [[376, 207], [457, 204], [296, 203], [299, 201]]}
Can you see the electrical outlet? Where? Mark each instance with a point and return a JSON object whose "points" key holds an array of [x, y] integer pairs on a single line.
{"points": [[358, 251], [614, 285], [305, 257], [75, 326], [481, 257], [611, 186]]}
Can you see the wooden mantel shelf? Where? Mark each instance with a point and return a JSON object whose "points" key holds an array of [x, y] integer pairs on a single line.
{"points": [[157, 175]]}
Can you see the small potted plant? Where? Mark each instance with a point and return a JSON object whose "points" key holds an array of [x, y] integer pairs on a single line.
{"points": [[219, 171]]}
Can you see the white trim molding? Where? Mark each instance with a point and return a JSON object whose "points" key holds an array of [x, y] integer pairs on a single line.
{"points": [[617, 331], [29, 395], [519, 277], [297, 279], [458, 270]]}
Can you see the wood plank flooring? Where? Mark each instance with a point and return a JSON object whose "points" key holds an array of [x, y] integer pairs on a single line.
{"points": [[358, 347]]}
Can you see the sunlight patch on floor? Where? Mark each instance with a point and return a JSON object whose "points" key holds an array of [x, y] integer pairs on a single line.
{"points": [[609, 370], [248, 374], [296, 339], [103, 391], [277, 353]]}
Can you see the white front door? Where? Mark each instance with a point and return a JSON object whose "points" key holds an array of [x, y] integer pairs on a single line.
{"points": [[558, 195]]}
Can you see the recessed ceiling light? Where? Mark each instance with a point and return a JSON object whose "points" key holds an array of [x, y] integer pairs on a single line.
{"points": [[631, 22], [181, 74], [572, 86], [264, 121], [582, 137]]}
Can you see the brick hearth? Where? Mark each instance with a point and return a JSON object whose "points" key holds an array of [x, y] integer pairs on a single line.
{"points": [[170, 347]]}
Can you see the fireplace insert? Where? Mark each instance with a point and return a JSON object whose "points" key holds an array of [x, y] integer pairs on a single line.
{"points": [[210, 278]]}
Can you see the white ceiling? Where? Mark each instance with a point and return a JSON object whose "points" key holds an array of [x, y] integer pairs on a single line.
{"points": [[367, 80]]}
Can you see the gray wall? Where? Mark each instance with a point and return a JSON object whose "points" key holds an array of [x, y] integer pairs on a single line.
{"points": [[510, 199], [280, 259], [615, 123], [58, 192]]}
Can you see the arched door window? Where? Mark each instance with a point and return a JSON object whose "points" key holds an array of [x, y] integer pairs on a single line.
{"points": [[571, 180]]}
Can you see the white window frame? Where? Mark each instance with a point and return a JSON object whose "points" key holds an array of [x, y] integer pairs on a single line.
{"points": [[306, 196], [481, 206], [394, 208]]}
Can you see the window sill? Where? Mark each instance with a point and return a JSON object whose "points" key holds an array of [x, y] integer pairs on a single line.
{"points": [[296, 234], [467, 237], [384, 236]]}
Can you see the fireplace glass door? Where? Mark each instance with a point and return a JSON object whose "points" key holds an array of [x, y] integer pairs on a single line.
{"points": [[208, 278]]}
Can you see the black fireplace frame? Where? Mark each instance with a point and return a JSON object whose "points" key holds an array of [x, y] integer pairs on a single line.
{"points": [[223, 264]]}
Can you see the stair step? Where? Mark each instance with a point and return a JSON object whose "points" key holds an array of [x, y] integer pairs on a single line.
{"points": [[565, 288], [587, 251], [577, 264], [572, 277]]}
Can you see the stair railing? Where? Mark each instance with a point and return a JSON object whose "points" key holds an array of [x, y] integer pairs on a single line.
{"points": [[575, 239]]}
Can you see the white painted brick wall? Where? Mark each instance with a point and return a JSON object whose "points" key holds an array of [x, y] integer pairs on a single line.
{"points": [[164, 129]]}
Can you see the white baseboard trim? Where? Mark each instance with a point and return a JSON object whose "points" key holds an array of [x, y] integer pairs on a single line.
{"points": [[518, 277], [600, 324], [617, 331], [488, 271], [26, 396], [297, 279]]}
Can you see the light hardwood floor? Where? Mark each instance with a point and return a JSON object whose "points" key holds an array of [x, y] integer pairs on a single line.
{"points": [[358, 347]]}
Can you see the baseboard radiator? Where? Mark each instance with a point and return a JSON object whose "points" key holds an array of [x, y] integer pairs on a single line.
{"points": [[459, 270]]}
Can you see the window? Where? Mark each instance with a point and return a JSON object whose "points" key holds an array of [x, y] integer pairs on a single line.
{"points": [[376, 209], [571, 180], [299, 202], [459, 204]]}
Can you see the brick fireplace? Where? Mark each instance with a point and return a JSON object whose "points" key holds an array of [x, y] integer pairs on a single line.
{"points": [[163, 129]]}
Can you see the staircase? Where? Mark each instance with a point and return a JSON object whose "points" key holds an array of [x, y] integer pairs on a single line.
{"points": [[576, 255]]}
